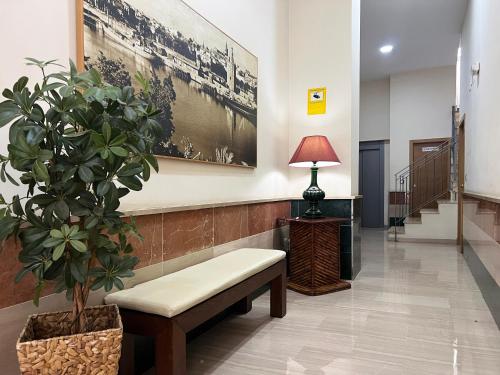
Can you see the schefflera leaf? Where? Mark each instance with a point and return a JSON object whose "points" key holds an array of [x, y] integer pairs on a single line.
{"points": [[60, 238], [77, 146]]}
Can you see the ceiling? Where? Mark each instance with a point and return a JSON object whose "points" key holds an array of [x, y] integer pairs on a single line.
{"points": [[425, 33]]}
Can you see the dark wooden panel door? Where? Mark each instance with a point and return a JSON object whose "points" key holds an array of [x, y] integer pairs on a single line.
{"points": [[371, 183], [429, 174]]}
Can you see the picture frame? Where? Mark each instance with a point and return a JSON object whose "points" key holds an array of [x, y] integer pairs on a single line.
{"points": [[216, 78]]}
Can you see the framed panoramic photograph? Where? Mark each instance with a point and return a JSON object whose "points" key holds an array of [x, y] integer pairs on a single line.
{"points": [[204, 82]]}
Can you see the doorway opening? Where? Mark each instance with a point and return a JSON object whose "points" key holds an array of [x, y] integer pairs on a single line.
{"points": [[371, 183]]}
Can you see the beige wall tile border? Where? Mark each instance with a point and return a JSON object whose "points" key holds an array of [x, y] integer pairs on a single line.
{"points": [[489, 198], [131, 209]]}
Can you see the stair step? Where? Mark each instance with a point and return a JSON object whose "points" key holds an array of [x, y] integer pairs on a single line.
{"points": [[413, 220], [405, 238], [446, 201], [429, 211]]}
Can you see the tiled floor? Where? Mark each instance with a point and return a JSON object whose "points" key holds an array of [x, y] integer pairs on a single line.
{"points": [[413, 309]]}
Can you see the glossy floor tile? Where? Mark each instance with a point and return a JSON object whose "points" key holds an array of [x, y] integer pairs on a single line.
{"points": [[414, 309]]}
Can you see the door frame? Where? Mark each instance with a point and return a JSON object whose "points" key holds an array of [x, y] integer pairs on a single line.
{"points": [[460, 125], [380, 146]]}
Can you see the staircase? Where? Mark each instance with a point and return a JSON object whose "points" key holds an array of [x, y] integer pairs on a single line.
{"points": [[424, 208], [425, 196], [440, 225]]}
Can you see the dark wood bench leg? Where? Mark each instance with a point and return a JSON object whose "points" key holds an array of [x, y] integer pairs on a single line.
{"points": [[127, 358], [243, 306], [278, 294], [170, 350]]}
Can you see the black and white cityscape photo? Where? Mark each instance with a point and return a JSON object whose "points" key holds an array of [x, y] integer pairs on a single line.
{"points": [[204, 82]]}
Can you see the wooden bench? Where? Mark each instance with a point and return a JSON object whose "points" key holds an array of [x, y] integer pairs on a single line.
{"points": [[170, 306]]}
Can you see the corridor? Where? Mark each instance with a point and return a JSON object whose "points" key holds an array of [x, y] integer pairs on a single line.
{"points": [[414, 309]]}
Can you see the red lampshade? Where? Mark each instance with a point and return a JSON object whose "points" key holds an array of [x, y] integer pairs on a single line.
{"points": [[314, 149]]}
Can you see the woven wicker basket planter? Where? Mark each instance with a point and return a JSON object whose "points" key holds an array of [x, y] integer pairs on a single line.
{"points": [[46, 347]]}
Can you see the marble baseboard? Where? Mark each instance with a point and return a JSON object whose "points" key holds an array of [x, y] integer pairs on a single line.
{"points": [[13, 318], [487, 284], [481, 249], [486, 248], [485, 214], [131, 209]]}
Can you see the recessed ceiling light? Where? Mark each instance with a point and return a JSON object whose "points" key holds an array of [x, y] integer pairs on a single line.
{"points": [[386, 49]]}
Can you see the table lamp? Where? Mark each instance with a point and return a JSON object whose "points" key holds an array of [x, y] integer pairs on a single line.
{"points": [[314, 152]]}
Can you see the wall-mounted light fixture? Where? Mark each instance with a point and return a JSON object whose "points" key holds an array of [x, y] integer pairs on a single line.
{"points": [[475, 70], [386, 49]]}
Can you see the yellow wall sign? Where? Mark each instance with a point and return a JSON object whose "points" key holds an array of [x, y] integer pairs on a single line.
{"points": [[316, 101]]}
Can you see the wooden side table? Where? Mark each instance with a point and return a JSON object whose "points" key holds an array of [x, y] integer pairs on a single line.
{"points": [[314, 261]]}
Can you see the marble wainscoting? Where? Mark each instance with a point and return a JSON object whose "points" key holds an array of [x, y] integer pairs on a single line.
{"points": [[482, 247], [173, 240], [350, 238]]}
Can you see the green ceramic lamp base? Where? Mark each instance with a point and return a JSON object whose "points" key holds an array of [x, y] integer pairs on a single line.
{"points": [[313, 195]]}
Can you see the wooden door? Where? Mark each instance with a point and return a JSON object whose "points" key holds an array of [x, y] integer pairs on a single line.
{"points": [[429, 173]]}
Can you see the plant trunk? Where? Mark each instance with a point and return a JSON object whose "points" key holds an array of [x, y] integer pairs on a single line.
{"points": [[86, 287], [78, 316], [81, 295]]}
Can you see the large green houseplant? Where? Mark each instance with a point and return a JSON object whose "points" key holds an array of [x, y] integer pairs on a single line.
{"points": [[78, 145]]}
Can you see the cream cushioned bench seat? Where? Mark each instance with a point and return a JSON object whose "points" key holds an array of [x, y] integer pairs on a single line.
{"points": [[177, 292]]}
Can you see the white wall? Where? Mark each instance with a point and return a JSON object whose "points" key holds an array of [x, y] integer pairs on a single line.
{"points": [[28, 34], [374, 124], [355, 89], [420, 108], [374, 100], [324, 51], [479, 102], [411, 105], [46, 29]]}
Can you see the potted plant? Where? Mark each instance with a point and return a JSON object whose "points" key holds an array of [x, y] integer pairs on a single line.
{"points": [[79, 145]]}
